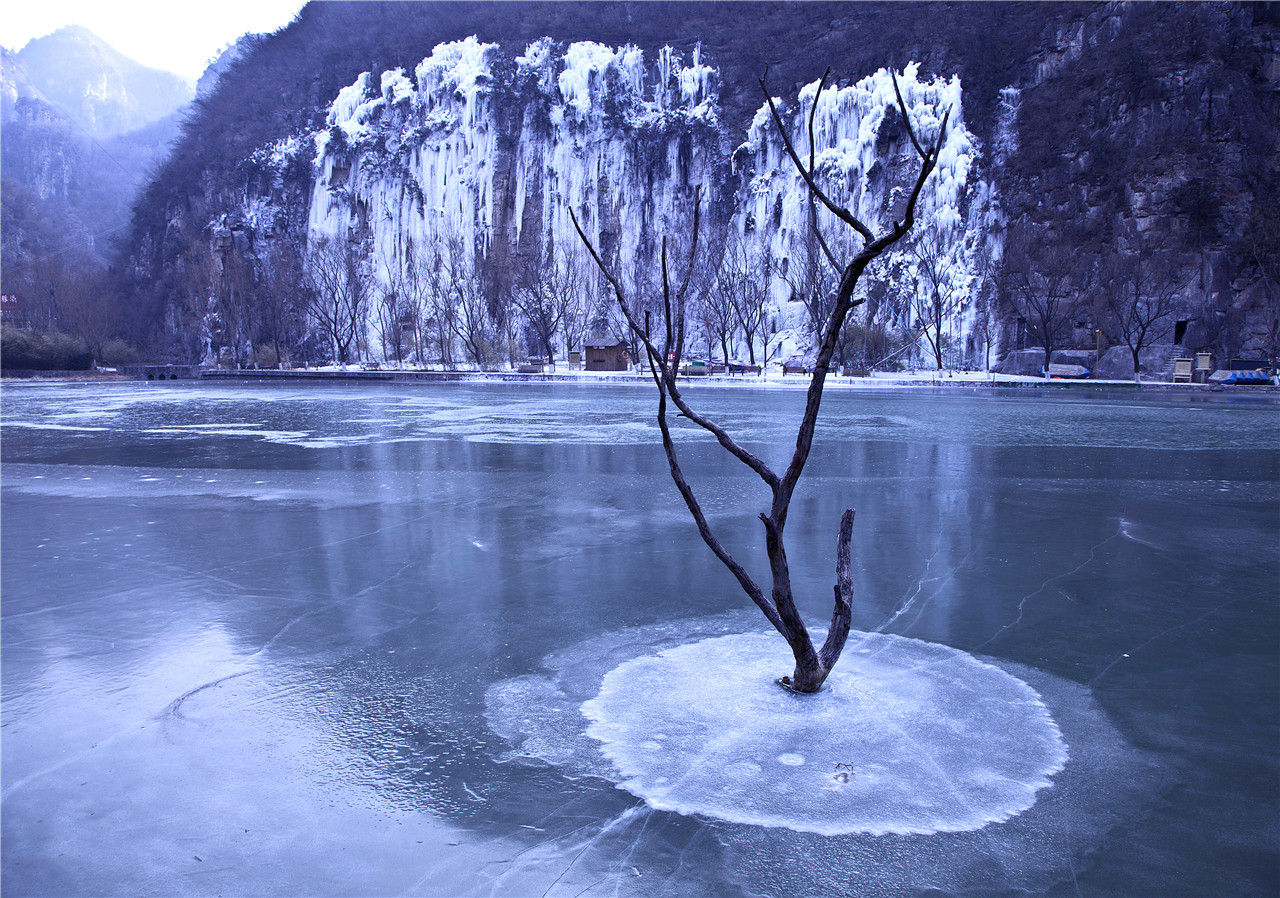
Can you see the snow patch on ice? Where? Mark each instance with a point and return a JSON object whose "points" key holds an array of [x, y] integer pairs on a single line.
{"points": [[1105, 781], [909, 737], [37, 425]]}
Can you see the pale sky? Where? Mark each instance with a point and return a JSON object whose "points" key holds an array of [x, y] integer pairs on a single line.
{"points": [[177, 37]]}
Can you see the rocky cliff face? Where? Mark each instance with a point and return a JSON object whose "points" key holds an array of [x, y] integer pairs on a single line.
{"points": [[491, 152], [478, 157], [1157, 125], [1112, 130]]}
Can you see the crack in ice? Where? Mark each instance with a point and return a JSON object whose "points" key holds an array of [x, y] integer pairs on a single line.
{"points": [[1142, 645], [1022, 603]]}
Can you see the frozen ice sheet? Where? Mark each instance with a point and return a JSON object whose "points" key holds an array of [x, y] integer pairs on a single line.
{"points": [[375, 591]]}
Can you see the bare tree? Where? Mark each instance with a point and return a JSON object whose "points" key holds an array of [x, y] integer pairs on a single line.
{"points": [[1038, 270], [1141, 285], [391, 318], [472, 323], [191, 314], [743, 282], [416, 288], [545, 293], [771, 342], [398, 310], [985, 313], [437, 297], [283, 296], [935, 295], [234, 301], [46, 281], [87, 311], [713, 311], [343, 285], [581, 306], [644, 301], [469, 317], [812, 664], [813, 281]]}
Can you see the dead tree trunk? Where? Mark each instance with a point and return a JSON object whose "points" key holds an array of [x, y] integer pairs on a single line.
{"points": [[812, 664]]}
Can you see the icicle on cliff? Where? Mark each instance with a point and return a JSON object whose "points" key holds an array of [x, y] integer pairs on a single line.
{"points": [[477, 158]]}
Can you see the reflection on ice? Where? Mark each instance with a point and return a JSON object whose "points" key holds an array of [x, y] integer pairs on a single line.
{"points": [[908, 737], [37, 425]]}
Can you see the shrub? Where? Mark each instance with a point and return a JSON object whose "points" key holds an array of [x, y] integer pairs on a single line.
{"points": [[51, 351], [118, 352]]}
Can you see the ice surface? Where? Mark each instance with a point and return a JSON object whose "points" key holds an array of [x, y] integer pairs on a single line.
{"points": [[908, 737], [407, 612]]}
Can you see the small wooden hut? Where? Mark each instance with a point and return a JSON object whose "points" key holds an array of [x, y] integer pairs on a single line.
{"points": [[606, 353]]}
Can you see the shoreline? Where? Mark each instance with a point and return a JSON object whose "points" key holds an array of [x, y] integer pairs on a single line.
{"points": [[875, 381]]}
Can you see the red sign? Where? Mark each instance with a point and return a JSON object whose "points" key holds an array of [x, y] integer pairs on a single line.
{"points": [[9, 302]]}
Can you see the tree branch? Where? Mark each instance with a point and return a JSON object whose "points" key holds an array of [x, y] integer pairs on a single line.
{"points": [[844, 302], [813, 114], [822, 243], [667, 373], [807, 174], [842, 611], [749, 586], [665, 381], [911, 132]]}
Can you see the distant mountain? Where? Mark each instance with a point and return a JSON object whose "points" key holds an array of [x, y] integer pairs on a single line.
{"points": [[99, 89], [83, 127]]}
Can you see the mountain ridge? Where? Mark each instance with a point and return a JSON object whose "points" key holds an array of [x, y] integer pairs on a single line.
{"points": [[98, 88], [1102, 132]]}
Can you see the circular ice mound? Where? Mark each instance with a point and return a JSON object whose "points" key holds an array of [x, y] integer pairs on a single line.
{"points": [[907, 737]]}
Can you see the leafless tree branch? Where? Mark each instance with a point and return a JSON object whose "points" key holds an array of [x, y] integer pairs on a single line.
{"points": [[812, 666]]}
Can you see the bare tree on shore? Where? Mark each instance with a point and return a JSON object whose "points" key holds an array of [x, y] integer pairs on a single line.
{"points": [[812, 663], [284, 297], [436, 296], [343, 287], [935, 295], [470, 313], [548, 294], [1039, 272], [1141, 287], [742, 280], [813, 282]]}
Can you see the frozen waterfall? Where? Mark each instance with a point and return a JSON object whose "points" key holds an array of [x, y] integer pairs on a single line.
{"points": [[478, 157]]}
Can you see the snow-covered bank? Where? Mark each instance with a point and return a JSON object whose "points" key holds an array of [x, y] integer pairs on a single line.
{"points": [[963, 380], [972, 380]]}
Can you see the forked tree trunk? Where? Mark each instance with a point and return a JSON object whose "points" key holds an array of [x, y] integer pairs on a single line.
{"points": [[813, 667]]}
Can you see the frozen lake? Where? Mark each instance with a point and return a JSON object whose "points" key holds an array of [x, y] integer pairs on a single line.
{"points": [[339, 640]]}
